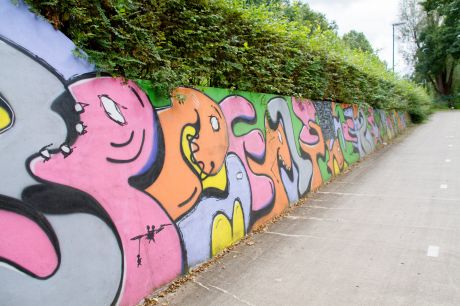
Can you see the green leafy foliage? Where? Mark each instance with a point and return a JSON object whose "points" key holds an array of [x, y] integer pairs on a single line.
{"points": [[301, 13], [258, 46], [357, 40]]}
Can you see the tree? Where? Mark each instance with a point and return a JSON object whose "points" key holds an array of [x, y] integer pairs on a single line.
{"points": [[434, 30], [298, 12], [266, 2], [357, 40], [304, 15], [413, 16], [440, 41]]}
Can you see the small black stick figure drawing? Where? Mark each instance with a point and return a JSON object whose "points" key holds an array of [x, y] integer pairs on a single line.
{"points": [[149, 236], [139, 259]]}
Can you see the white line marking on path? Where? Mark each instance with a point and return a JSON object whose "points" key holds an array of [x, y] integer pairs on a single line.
{"points": [[433, 251], [292, 236], [358, 222], [232, 295], [387, 196], [200, 284], [443, 186], [324, 207], [349, 194], [316, 206], [305, 218]]}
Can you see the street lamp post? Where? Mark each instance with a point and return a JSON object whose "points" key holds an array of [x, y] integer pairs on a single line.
{"points": [[395, 25]]}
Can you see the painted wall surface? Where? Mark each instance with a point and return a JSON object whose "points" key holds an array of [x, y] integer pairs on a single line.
{"points": [[105, 195]]}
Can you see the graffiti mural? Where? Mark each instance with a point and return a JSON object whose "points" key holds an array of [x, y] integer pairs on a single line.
{"points": [[107, 193]]}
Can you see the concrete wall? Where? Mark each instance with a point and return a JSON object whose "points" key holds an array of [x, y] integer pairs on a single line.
{"points": [[107, 193]]}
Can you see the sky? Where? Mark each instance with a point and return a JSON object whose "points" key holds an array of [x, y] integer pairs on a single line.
{"points": [[372, 17]]}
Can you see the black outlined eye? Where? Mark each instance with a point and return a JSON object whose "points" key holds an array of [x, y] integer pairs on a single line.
{"points": [[214, 123], [112, 110]]}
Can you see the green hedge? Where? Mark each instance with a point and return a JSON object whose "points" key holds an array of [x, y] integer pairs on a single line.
{"points": [[223, 43]]}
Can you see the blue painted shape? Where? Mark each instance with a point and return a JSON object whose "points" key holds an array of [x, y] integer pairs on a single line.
{"points": [[36, 35]]}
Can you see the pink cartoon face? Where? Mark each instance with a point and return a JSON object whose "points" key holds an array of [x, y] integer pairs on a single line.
{"points": [[116, 134], [117, 141]]}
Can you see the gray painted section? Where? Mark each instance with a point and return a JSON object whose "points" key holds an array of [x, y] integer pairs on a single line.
{"points": [[90, 268], [363, 240], [37, 36], [290, 187], [304, 166], [364, 134], [29, 89]]}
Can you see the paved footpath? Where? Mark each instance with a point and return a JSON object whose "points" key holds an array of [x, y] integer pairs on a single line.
{"points": [[387, 233]]}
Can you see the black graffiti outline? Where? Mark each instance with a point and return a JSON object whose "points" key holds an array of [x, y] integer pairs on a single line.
{"points": [[123, 144], [50, 195], [130, 160], [118, 108], [137, 96]]}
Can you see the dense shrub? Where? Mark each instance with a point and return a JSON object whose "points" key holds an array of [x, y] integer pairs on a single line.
{"points": [[224, 43]]}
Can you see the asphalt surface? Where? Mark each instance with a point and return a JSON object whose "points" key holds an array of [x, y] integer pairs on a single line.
{"points": [[386, 233]]}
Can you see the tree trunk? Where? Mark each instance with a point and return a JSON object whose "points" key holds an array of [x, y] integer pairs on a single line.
{"points": [[443, 85]]}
